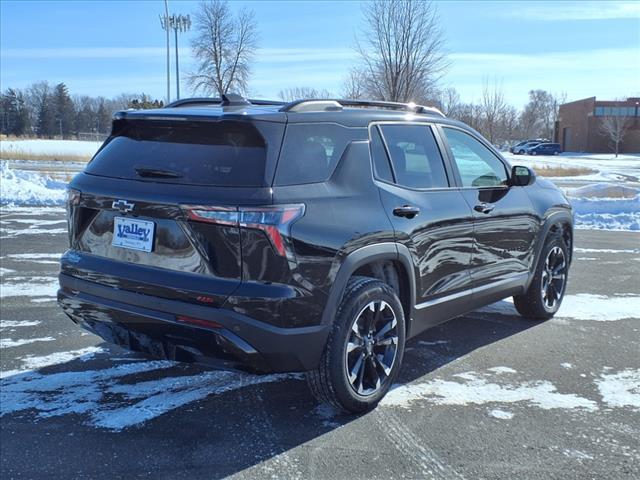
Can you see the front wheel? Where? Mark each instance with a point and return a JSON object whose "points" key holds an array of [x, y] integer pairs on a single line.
{"points": [[364, 350], [543, 297]]}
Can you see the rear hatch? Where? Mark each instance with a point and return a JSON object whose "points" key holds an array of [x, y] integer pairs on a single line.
{"points": [[162, 207]]}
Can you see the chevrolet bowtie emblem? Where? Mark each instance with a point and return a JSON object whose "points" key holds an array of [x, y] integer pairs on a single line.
{"points": [[122, 205]]}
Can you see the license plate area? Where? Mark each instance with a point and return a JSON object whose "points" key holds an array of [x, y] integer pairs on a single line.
{"points": [[133, 234]]}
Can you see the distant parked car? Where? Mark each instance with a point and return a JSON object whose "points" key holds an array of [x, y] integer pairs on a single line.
{"points": [[520, 146], [545, 149], [523, 148]]}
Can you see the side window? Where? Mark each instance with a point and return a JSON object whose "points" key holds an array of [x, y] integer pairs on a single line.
{"points": [[381, 165], [415, 156], [311, 150], [478, 166]]}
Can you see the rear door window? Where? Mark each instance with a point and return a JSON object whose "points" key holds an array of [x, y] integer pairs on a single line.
{"points": [[311, 151], [415, 156], [193, 153]]}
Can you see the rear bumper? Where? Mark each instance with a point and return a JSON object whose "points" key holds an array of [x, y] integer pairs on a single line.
{"points": [[150, 325]]}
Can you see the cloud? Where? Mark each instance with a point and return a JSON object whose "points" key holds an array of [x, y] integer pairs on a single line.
{"points": [[566, 11], [263, 55]]}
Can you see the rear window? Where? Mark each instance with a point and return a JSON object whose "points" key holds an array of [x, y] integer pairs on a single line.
{"points": [[311, 151], [193, 153]]}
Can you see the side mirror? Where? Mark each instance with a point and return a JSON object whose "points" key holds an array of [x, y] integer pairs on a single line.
{"points": [[522, 176]]}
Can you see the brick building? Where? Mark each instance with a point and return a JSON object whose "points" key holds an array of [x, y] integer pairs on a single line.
{"points": [[578, 128]]}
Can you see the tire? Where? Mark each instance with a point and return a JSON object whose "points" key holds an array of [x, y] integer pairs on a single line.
{"points": [[330, 382], [521, 152], [533, 153], [556, 152], [544, 296]]}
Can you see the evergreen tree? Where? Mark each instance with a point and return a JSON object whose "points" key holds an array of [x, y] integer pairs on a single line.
{"points": [[14, 117], [145, 102], [46, 117], [64, 110]]}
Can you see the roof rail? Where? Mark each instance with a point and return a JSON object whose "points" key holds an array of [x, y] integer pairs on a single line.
{"points": [[308, 105], [232, 99]]}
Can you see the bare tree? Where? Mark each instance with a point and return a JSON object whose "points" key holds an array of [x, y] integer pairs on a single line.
{"points": [[401, 50], [352, 85], [541, 113], [493, 107], [300, 93], [449, 103], [615, 127], [224, 46]]}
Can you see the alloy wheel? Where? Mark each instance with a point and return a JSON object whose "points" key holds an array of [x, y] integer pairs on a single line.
{"points": [[554, 275], [372, 348]]}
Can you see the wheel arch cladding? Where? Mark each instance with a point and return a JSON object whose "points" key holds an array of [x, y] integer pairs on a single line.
{"points": [[373, 258], [557, 221]]}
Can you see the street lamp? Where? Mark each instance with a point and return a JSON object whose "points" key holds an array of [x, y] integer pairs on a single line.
{"points": [[165, 23], [180, 23]]}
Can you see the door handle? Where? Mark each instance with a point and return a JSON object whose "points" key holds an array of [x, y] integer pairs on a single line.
{"points": [[407, 211], [484, 208]]}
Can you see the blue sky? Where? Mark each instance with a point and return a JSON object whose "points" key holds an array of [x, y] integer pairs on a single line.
{"points": [[109, 47]]}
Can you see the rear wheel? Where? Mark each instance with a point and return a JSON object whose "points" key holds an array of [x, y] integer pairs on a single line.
{"points": [[364, 350], [544, 296]]}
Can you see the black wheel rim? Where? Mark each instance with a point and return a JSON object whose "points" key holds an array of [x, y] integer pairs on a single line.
{"points": [[554, 275], [371, 348]]}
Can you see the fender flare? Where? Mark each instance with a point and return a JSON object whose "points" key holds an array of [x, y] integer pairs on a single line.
{"points": [[554, 218], [362, 256]]}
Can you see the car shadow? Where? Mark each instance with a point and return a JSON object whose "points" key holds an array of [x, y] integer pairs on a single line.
{"points": [[186, 421]]}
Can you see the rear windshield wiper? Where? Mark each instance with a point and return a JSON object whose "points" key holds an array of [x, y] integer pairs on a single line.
{"points": [[156, 173]]}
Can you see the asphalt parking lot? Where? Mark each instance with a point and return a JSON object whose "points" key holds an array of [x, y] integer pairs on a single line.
{"points": [[487, 395]]}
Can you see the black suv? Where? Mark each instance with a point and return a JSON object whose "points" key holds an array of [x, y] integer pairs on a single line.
{"points": [[313, 236]]}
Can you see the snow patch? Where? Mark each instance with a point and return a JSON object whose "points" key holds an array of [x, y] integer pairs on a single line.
{"points": [[621, 389], [31, 362], [576, 454], [568, 366], [112, 399], [583, 306], [605, 250], [9, 342], [18, 323], [475, 389], [501, 414], [502, 370], [30, 287]]}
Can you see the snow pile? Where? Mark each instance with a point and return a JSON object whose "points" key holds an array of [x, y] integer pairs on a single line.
{"points": [[29, 188], [50, 147], [607, 213]]}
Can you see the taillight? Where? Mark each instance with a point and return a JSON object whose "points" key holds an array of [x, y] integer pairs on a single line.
{"points": [[274, 221], [198, 321]]}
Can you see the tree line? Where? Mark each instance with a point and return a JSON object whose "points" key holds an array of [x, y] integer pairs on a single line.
{"points": [[401, 58], [49, 111]]}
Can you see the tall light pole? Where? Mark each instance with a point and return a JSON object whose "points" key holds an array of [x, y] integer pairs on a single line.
{"points": [[165, 23], [180, 23]]}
